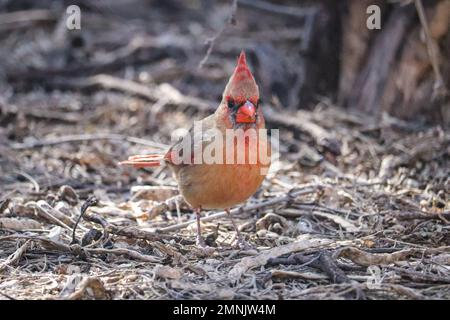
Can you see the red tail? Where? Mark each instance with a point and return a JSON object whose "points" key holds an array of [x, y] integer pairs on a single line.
{"points": [[142, 161]]}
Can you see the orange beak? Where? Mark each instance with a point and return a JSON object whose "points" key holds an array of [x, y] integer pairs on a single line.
{"points": [[246, 113]]}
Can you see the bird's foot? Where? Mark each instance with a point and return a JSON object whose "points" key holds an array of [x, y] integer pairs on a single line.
{"points": [[201, 244]]}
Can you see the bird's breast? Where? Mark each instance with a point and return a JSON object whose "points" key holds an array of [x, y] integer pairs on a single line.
{"points": [[223, 185]]}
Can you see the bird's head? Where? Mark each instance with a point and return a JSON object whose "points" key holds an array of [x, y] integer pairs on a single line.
{"points": [[240, 101]]}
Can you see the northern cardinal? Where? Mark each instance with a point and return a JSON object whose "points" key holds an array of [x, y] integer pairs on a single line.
{"points": [[221, 185]]}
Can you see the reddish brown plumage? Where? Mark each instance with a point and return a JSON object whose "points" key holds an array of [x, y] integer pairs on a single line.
{"points": [[221, 186]]}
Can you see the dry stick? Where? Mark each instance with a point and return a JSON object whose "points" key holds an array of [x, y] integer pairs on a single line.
{"points": [[302, 243], [78, 250], [96, 286], [284, 274], [129, 232], [421, 277], [86, 137], [58, 245], [131, 253], [330, 267], [277, 8], [7, 296], [263, 204], [331, 287], [211, 42], [14, 20], [91, 201], [414, 294], [310, 206], [164, 206], [30, 178], [47, 212], [323, 261], [369, 259], [13, 258], [410, 215], [306, 13], [155, 93], [439, 86], [70, 117], [139, 50], [321, 212], [320, 135]]}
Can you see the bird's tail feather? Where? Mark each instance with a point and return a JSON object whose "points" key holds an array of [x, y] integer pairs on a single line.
{"points": [[143, 161]]}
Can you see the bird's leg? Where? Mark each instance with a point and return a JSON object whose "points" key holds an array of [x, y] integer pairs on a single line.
{"points": [[238, 233], [200, 240], [240, 239]]}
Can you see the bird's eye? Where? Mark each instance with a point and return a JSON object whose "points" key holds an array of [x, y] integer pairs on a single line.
{"points": [[231, 104]]}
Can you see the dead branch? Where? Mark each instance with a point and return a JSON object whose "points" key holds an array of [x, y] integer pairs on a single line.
{"points": [[411, 215], [421, 277], [433, 52], [52, 215], [91, 201], [77, 250], [138, 51], [331, 269], [321, 136], [20, 19], [170, 204], [154, 193], [129, 232], [89, 287], [408, 292], [86, 137], [126, 252], [283, 274], [211, 41], [153, 93], [278, 9], [302, 243], [322, 261], [19, 224], [369, 259]]}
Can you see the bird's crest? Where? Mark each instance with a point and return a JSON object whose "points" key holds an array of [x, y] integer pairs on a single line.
{"points": [[242, 84]]}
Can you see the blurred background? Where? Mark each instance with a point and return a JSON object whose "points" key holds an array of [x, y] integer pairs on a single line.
{"points": [[301, 51], [362, 113], [144, 68]]}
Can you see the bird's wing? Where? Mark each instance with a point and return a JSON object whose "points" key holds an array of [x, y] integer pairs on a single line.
{"points": [[193, 139]]}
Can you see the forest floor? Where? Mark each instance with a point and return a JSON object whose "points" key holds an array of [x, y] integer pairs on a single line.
{"points": [[356, 206]]}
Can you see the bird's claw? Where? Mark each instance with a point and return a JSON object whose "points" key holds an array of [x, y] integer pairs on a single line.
{"points": [[207, 250], [201, 242]]}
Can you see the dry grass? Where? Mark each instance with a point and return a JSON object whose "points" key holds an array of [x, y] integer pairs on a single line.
{"points": [[358, 206], [379, 195]]}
